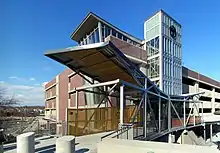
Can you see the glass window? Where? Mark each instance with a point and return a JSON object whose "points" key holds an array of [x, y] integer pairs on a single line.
{"points": [[93, 38], [103, 31], [113, 32], [125, 38], [108, 31], [96, 35], [152, 42], [119, 36], [157, 42]]}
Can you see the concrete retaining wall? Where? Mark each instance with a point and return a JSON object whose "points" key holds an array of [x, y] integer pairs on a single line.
{"points": [[132, 146]]}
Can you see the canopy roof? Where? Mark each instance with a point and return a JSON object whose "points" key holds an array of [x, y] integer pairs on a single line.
{"points": [[105, 62], [100, 61]]}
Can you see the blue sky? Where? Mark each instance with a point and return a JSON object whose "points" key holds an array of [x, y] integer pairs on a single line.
{"points": [[30, 28]]}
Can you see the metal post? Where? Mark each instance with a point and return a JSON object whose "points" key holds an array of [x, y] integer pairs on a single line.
{"points": [[121, 104], [202, 113], [184, 113], [159, 128], [77, 100], [210, 132], [194, 115], [145, 109], [204, 132], [76, 122], [169, 114]]}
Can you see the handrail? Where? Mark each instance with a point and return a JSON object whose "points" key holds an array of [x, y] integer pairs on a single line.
{"points": [[126, 130], [114, 133]]}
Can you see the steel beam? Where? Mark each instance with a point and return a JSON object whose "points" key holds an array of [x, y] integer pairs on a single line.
{"points": [[139, 106], [176, 112], [184, 113], [157, 95], [95, 85]]}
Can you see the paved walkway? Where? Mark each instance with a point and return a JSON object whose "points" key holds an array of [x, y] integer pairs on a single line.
{"points": [[84, 144]]}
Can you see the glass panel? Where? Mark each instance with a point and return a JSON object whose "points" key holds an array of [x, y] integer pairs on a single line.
{"points": [[113, 32], [119, 36], [125, 38], [157, 42]]}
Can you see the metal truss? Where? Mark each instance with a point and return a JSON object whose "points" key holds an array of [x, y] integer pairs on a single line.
{"points": [[148, 95]]}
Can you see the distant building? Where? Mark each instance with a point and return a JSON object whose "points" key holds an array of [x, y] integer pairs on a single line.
{"points": [[159, 56]]}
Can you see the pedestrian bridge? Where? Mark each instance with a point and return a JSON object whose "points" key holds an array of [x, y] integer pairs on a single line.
{"points": [[121, 84]]}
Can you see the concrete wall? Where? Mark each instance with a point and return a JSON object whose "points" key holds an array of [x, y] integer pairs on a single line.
{"points": [[205, 84], [133, 146], [189, 137]]}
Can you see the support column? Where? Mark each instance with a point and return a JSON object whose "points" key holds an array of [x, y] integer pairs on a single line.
{"points": [[76, 100], [210, 132], [213, 100], [202, 113], [25, 143], [77, 105], [204, 132], [194, 115], [184, 113], [171, 138], [196, 90], [100, 32], [169, 114], [159, 125], [145, 109], [121, 104], [57, 104]]}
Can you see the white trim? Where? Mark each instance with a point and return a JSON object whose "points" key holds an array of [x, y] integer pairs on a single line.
{"points": [[155, 79], [50, 86], [88, 106], [50, 98], [95, 85], [71, 74], [154, 56]]}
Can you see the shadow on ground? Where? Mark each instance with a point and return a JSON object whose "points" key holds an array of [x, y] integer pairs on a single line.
{"points": [[46, 149], [14, 146], [82, 150], [46, 138]]}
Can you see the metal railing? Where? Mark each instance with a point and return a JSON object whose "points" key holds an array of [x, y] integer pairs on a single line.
{"points": [[119, 132]]}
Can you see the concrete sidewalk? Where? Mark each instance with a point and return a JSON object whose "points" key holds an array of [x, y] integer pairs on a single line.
{"points": [[46, 144]]}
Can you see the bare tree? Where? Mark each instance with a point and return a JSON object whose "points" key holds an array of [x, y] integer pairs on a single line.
{"points": [[7, 101]]}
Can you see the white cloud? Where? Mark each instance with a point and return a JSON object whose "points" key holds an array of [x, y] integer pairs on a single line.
{"points": [[14, 78], [32, 79], [27, 94], [1, 82], [37, 84], [22, 79]]}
